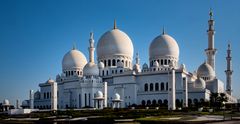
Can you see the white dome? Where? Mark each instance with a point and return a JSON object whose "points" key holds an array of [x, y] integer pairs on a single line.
{"points": [[73, 59], [163, 46], [101, 65], [6, 102], [117, 96], [99, 94], [145, 66], [50, 81], [200, 83], [90, 69], [206, 71], [155, 64], [114, 42], [25, 103]]}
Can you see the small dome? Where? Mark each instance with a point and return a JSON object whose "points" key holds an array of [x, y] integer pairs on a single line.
{"points": [[25, 103], [50, 81], [99, 94], [200, 83], [120, 64], [155, 64], [163, 46], [117, 96], [73, 59], [114, 42], [145, 66], [6, 102], [101, 65], [206, 71], [90, 69]]}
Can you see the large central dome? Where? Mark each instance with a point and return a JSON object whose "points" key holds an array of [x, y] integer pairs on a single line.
{"points": [[162, 46], [73, 59], [114, 42]]}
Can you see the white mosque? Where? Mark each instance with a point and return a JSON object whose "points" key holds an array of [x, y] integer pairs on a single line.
{"points": [[114, 80]]}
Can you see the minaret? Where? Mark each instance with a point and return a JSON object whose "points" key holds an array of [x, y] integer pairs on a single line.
{"points": [[211, 51], [91, 48], [31, 105], [229, 71]]}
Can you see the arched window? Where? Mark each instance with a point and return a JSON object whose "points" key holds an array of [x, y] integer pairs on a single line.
{"points": [[167, 86], [105, 63], [113, 62], [44, 95], [107, 73], [149, 102], [189, 101], [156, 86], [165, 102], [146, 87], [109, 62], [118, 60], [47, 95], [162, 86], [126, 63], [154, 102], [71, 72], [161, 61], [151, 87], [195, 101], [103, 73], [143, 102], [160, 102], [178, 103], [165, 62]]}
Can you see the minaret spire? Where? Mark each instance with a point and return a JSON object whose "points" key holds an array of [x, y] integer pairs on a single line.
{"points": [[229, 70], [137, 58], [115, 24], [211, 51], [91, 48]]}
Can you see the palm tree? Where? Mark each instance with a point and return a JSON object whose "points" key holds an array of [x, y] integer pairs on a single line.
{"points": [[223, 98]]}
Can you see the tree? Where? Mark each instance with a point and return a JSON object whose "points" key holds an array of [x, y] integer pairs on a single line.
{"points": [[217, 99], [223, 98]]}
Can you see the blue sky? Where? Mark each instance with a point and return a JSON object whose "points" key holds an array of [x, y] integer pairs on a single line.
{"points": [[35, 34]]}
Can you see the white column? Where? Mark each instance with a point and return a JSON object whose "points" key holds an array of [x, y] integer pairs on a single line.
{"points": [[105, 93], [185, 92], [172, 92], [17, 104], [54, 96], [31, 99]]}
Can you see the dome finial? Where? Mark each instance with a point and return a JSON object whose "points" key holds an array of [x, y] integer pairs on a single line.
{"points": [[74, 46], [115, 24], [229, 45], [163, 31], [211, 13]]}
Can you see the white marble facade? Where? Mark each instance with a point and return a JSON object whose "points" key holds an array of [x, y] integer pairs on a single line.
{"points": [[150, 84]]}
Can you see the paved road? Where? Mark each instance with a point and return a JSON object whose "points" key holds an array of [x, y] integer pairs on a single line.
{"points": [[226, 122]]}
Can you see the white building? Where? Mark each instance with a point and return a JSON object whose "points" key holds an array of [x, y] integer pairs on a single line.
{"points": [[163, 80]]}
